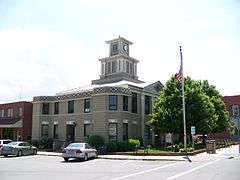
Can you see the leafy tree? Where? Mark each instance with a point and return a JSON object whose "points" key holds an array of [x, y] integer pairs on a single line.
{"points": [[204, 108], [223, 121]]}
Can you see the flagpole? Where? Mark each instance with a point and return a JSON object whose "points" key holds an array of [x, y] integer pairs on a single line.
{"points": [[183, 102]]}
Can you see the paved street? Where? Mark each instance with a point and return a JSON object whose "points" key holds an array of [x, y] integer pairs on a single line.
{"points": [[224, 165]]}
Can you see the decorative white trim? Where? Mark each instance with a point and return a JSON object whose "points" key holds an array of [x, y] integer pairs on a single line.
{"points": [[55, 122], [45, 122], [112, 120], [70, 122], [134, 122], [125, 120], [87, 121]]}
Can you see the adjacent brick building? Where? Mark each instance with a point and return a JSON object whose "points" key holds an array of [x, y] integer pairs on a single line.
{"points": [[16, 120], [233, 106]]}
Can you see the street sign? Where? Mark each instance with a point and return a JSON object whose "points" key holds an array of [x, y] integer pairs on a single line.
{"points": [[193, 130]]}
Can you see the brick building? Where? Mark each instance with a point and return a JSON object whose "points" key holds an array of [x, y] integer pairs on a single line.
{"points": [[16, 120], [233, 105]]}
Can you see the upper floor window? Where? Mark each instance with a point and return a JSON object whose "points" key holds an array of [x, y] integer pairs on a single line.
{"points": [[20, 111], [127, 67], [125, 103], [109, 67], [131, 68], [114, 66], [114, 49], [134, 102], [56, 108], [112, 102], [87, 105], [45, 108], [147, 104], [2, 113], [10, 112], [71, 106], [235, 110]]}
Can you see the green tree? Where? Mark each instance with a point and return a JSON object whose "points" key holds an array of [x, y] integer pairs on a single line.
{"points": [[223, 122], [167, 114]]}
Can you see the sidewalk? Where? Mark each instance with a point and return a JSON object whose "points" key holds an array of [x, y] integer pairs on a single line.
{"points": [[224, 152]]}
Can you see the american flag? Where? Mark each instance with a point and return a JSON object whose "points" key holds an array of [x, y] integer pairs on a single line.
{"points": [[179, 75]]}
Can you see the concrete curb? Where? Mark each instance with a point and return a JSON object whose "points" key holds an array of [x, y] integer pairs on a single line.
{"points": [[118, 158], [141, 159]]}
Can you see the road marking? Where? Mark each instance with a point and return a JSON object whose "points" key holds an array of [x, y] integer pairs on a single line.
{"points": [[191, 170], [143, 172]]}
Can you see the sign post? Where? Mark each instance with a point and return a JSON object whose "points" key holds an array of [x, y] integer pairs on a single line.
{"points": [[193, 132]]}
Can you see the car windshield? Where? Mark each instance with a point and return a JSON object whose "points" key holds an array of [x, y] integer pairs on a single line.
{"points": [[6, 142], [13, 143], [75, 145]]}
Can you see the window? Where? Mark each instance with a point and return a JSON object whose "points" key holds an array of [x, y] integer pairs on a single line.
{"points": [[70, 106], [125, 131], [102, 70], [87, 105], [55, 131], [131, 68], [114, 49], [109, 67], [56, 107], [45, 108], [125, 103], [147, 105], [127, 67], [10, 112], [86, 130], [235, 110], [114, 66], [147, 132], [20, 112], [112, 102], [134, 102], [112, 131], [44, 131], [2, 113]]}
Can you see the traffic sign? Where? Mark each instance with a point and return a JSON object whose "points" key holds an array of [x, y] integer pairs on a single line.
{"points": [[193, 130]]}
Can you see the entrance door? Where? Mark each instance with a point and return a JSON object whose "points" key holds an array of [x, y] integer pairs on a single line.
{"points": [[70, 136]]}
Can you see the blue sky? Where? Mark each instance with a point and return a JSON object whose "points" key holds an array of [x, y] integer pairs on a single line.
{"points": [[51, 46]]}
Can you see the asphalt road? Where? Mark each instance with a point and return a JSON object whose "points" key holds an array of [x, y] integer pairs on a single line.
{"points": [[47, 167]]}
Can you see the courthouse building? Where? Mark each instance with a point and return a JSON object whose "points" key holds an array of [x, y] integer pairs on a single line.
{"points": [[116, 106]]}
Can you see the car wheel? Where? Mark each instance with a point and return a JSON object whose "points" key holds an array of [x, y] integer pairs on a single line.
{"points": [[65, 159], [34, 152], [85, 157], [19, 153]]}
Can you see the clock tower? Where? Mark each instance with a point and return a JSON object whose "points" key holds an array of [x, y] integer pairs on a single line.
{"points": [[119, 65]]}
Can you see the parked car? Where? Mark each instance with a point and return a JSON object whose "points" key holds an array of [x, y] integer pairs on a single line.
{"points": [[3, 142], [79, 151], [18, 148]]}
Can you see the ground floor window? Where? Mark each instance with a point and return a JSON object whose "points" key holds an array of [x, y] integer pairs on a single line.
{"points": [[125, 131], [44, 131], [70, 133], [135, 130], [147, 132], [55, 131], [86, 130], [112, 131]]}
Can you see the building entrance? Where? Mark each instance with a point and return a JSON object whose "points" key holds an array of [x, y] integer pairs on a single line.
{"points": [[70, 133]]}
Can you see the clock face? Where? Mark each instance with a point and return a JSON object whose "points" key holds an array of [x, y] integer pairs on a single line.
{"points": [[125, 47]]}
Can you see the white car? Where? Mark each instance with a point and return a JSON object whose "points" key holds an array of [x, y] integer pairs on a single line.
{"points": [[79, 151], [3, 142]]}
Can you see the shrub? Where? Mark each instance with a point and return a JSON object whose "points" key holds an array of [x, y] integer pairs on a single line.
{"points": [[96, 141], [122, 146], [111, 147], [45, 143], [133, 144]]}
